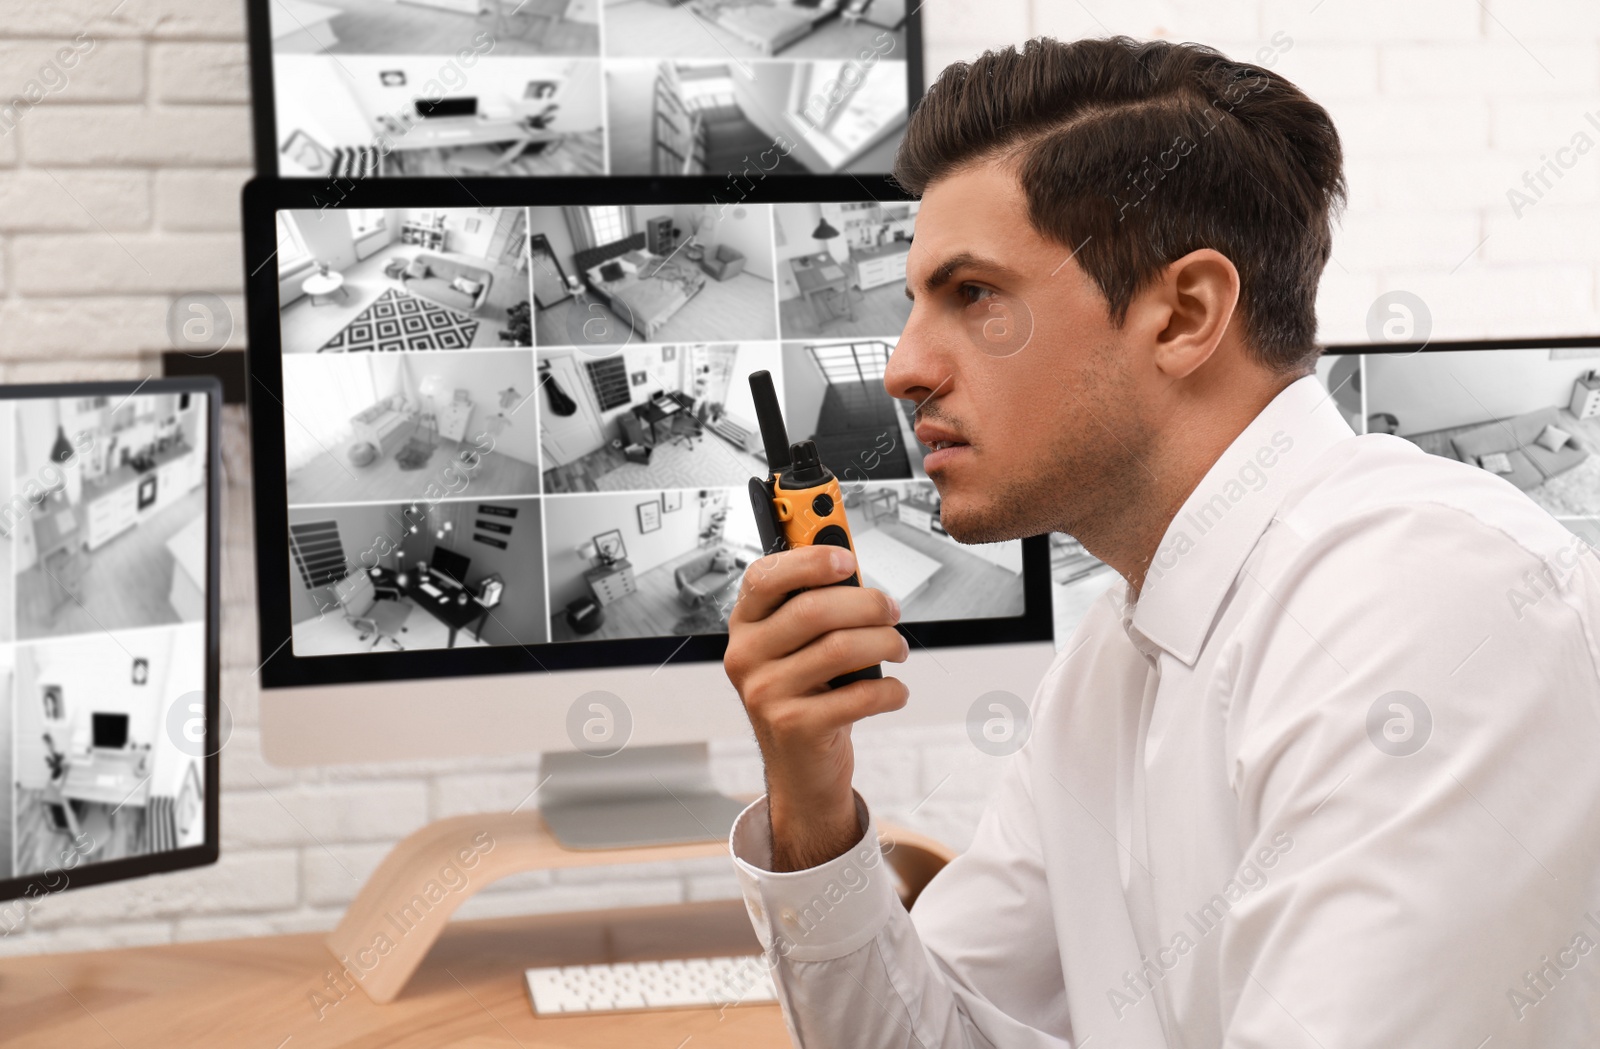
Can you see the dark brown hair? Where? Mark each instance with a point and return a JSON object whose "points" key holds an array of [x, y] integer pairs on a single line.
{"points": [[1135, 153]]}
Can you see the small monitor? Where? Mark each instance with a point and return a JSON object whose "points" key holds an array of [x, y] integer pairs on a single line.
{"points": [[110, 731], [451, 564], [448, 107], [109, 553]]}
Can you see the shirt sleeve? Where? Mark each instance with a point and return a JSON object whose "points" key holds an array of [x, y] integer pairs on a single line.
{"points": [[1419, 770], [975, 965]]}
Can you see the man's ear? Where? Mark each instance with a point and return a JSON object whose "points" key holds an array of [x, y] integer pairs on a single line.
{"points": [[1186, 309]]}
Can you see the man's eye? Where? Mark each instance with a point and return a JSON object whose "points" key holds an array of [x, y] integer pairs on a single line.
{"points": [[971, 293]]}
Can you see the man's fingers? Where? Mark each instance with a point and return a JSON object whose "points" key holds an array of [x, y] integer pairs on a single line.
{"points": [[841, 651], [769, 581], [811, 716], [809, 615]]}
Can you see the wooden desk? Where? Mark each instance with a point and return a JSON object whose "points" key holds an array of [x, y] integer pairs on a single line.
{"points": [[653, 412], [445, 607], [469, 992], [456, 984], [109, 777], [443, 132]]}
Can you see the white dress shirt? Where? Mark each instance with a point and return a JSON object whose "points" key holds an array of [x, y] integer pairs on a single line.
{"points": [[1333, 781]]}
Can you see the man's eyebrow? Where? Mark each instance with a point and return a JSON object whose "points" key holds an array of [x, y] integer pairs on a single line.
{"points": [[947, 269]]}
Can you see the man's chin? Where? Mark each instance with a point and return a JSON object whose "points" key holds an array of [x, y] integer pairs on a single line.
{"points": [[971, 524]]}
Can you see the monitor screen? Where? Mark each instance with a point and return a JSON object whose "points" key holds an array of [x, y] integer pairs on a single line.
{"points": [[553, 406], [342, 88], [108, 681], [111, 731], [450, 564], [447, 107]]}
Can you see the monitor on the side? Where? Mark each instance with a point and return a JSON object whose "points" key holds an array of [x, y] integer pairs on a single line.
{"points": [[109, 726], [354, 88], [1465, 401]]}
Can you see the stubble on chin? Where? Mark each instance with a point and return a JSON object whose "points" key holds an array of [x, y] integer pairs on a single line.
{"points": [[1003, 515]]}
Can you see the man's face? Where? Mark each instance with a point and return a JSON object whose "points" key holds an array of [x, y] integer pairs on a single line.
{"points": [[1009, 350]]}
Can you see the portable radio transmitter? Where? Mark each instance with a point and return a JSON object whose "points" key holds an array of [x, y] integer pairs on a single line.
{"points": [[800, 503]]}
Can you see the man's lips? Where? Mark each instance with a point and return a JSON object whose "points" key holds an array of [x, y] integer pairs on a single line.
{"points": [[934, 436], [945, 446]]}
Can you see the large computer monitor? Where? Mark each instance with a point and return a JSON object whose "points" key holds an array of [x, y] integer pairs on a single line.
{"points": [[1465, 400], [109, 727], [469, 88], [559, 395]]}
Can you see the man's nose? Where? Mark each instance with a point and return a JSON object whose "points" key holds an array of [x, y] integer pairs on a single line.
{"points": [[914, 370]]}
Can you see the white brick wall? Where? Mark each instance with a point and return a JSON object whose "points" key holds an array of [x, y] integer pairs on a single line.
{"points": [[121, 191]]}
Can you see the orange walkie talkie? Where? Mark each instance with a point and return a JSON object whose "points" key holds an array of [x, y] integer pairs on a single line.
{"points": [[800, 504]]}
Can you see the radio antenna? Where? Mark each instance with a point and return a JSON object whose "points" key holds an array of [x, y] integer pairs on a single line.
{"points": [[773, 434]]}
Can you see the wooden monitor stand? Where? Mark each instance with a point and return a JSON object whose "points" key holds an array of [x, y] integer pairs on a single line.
{"points": [[406, 903]]}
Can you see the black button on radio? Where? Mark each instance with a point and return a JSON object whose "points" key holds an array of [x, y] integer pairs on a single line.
{"points": [[832, 535], [822, 505]]}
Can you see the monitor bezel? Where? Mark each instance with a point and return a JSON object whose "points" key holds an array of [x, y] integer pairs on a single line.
{"points": [[40, 884], [280, 667], [263, 93]]}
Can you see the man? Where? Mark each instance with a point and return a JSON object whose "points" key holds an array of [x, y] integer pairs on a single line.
{"points": [[1326, 770]]}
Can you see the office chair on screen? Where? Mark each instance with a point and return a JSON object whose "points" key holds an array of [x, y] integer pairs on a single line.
{"points": [[687, 422], [379, 620]]}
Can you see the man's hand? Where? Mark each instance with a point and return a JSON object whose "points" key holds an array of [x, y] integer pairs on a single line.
{"points": [[782, 651]]}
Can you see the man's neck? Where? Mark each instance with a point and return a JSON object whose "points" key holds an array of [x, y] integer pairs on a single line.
{"points": [[1127, 537]]}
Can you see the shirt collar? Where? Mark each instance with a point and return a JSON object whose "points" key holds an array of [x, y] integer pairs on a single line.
{"points": [[1206, 544]]}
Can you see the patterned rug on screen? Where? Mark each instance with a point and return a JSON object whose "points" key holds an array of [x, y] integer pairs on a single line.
{"points": [[402, 321]]}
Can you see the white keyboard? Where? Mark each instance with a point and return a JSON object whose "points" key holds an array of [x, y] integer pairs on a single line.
{"points": [[696, 983], [431, 590]]}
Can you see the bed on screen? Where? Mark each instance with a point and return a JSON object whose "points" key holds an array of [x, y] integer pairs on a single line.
{"points": [[643, 289], [889, 565], [765, 25]]}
